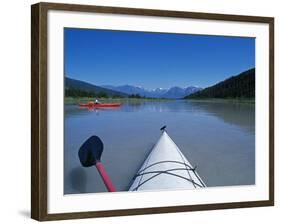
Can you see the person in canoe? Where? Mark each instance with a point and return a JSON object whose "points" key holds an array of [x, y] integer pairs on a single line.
{"points": [[92, 103], [97, 101], [98, 104]]}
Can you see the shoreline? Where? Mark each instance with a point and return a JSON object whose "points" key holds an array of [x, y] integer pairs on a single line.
{"points": [[223, 100], [77, 100]]}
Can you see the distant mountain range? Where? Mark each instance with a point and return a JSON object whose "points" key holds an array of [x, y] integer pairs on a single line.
{"points": [[76, 88], [239, 86], [171, 93]]}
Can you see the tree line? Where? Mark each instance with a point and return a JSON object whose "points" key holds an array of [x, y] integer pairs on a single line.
{"points": [[240, 86], [75, 93], [71, 92]]}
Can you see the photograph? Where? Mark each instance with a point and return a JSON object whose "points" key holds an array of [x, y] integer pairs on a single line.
{"points": [[152, 111]]}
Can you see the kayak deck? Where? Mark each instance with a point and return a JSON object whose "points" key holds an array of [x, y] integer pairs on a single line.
{"points": [[166, 168]]}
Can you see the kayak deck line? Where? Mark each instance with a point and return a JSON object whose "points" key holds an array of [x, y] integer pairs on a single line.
{"points": [[158, 172], [168, 172], [189, 168], [166, 168]]}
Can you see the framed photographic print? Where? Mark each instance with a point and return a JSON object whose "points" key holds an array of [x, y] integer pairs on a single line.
{"points": [[140, 111]]}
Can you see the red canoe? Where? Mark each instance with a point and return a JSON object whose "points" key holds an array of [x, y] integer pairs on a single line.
{"points": [[99, 105]]}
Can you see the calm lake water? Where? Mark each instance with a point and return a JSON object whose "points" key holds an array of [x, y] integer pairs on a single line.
{"points": [[217, 137]]}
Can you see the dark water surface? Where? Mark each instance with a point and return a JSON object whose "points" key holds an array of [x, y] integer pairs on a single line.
{"points": [[217, 137]]}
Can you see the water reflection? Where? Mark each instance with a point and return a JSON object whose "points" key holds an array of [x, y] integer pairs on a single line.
{"points": [[234, 113]]}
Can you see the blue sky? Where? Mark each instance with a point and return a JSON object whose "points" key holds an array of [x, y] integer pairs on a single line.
{"points": [[152, 60]]}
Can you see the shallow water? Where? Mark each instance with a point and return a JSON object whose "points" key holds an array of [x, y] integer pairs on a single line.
{"points": [[217, 137]]}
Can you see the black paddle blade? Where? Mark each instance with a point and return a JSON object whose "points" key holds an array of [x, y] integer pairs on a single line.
{"points": [[90, 152]]}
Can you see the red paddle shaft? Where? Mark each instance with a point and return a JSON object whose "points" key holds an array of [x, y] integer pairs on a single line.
{"points": [[106, 179]]}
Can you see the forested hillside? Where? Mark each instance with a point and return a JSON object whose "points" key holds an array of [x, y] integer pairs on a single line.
{"points": [[77, 88], [240, 86]]}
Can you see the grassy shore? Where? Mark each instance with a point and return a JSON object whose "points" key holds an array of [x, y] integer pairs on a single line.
{"points": [[226, 100], [76, 100]]}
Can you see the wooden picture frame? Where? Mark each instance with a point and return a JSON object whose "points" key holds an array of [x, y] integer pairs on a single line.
{"points": [[39, 110]]}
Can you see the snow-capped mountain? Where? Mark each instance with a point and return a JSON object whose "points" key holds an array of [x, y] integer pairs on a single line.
{"points": [[172, 93]]}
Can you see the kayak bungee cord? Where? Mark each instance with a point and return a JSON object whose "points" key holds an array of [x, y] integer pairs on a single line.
{"points": [[167, 161], [147, 160], [168, 172], [185, 166]]}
